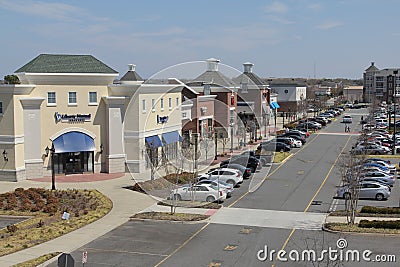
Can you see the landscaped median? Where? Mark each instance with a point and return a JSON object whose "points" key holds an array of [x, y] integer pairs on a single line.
{"points": [[51, 214], [369, 220]]}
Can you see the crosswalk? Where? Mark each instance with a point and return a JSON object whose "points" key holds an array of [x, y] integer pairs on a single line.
{"points": [[269, 218]]}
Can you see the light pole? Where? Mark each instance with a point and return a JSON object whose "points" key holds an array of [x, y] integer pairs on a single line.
{"points": [[395, 72], [53, 175], [216, 145]]}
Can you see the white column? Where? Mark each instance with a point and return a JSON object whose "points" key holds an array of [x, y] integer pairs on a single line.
{"points": [[114, 145], [33, 151]]}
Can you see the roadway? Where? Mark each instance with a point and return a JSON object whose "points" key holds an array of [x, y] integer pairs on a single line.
{"points": [[285, 212]]}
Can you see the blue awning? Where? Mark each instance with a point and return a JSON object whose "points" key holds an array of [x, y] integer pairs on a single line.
{"points": [[171, 137], [153, 141], [73, 142], [274, 105]]}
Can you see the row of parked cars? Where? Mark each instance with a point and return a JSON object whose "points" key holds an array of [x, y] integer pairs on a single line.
{"points": [[219, 183], [378, 140], [375, 177]]}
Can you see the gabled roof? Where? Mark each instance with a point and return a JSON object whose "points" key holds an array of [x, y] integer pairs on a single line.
{"points": [[372, 68], [56, 63], [214, 78], [131, 75], [244, 77]]}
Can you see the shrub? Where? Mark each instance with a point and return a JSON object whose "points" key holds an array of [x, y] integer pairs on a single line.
{"points": [[382, 210], [380, 224], [12, 228]]}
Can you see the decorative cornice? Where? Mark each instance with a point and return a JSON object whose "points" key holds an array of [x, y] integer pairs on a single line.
{"points": [[31, 102], [17, 89], [11, 139]]}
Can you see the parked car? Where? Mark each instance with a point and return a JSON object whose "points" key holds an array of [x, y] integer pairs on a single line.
{"points": [[264, 158], [377, 180], [227, 175], [244, 170], [370, 149], [347, 119], [250, 162], [219, 184], [297, 135], [378, 174], [367, 190], [207, 193], [286, 140], [296, 143], [274, 146]]}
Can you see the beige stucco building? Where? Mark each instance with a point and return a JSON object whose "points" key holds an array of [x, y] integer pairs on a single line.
{"points": [[71, 104]]}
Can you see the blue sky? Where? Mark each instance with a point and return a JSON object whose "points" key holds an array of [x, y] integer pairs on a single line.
{"points": [[288, 38]]}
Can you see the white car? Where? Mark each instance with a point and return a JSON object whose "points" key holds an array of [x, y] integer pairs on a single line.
{"points": [[295, 142], [227, 175], [208, 193], [347, 119]]}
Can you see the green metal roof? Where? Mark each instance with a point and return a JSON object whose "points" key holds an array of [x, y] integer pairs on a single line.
{"points": [[51, 63]]}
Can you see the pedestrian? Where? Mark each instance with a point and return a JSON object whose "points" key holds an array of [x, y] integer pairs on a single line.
{"points": [[348, 129], [286, 130], [345, 128]]}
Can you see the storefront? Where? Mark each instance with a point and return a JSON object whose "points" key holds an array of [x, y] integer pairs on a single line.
{"points": [[73, 153]]}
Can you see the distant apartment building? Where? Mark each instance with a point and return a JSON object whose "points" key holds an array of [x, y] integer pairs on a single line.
{"points": [[379, 84]]}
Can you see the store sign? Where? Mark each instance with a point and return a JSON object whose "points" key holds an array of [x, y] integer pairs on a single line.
{"points": [[162, 119], [71, 118]]}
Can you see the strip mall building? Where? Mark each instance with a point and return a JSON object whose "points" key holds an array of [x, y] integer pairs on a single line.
{"points": [[69, 107]]}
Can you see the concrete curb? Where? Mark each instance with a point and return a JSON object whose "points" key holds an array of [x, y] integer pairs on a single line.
{"points": [[355, 233]]}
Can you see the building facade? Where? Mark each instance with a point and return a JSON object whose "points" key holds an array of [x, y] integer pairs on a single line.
{"points": [[68, 115]]}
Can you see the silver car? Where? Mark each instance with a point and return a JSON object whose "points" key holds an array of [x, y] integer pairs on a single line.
{"points": [[367, 190], [207, 193], [222, 185]]}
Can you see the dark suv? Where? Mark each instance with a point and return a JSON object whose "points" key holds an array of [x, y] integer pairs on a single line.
{"points": [[248, 161]]}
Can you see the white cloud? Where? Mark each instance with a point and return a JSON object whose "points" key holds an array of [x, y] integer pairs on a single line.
{"points": [[276, 7], [329, 25], [280, 20], [57, 11]]}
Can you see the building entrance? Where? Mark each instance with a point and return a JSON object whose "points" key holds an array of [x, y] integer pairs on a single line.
{"points": [[74, 162]]}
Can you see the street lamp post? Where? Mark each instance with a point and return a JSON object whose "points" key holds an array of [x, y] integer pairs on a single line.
{"points": [[53, 174], [216, 145], [395, 72]]}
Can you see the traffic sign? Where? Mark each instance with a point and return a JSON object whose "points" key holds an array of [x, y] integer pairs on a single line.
{"points": [[66, 260]]}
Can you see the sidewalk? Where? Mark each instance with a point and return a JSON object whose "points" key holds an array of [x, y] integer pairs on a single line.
{"points": [[343, 219]]}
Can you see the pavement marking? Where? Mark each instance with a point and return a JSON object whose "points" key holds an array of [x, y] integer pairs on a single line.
{"points": [[230, 247], [215, 264], [183, 244], [333, 205], [245, 230]]}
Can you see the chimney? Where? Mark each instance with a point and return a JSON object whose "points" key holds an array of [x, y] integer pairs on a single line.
{"points": [[131, 67], [248, 67], [212, 64], [372, 63]]}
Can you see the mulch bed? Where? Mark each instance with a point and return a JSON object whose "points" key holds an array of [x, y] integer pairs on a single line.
{"points": [[166, 216]]}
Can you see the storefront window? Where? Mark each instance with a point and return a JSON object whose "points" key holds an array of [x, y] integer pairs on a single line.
{"points": [[92, 97], [51, 98], [72, 98]]}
